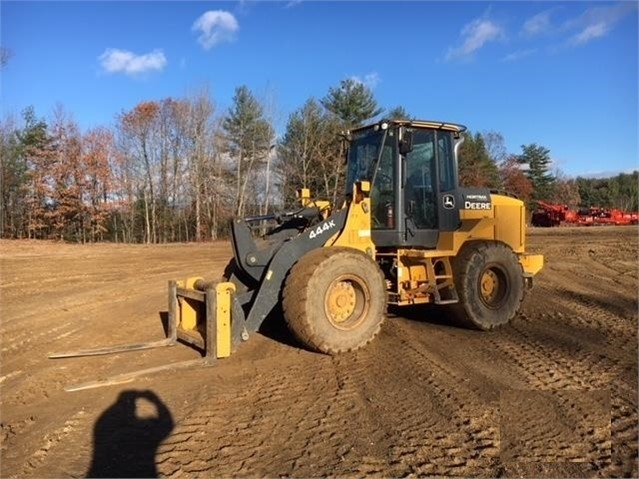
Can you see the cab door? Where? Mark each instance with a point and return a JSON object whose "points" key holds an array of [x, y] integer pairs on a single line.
{"points": [[431, 202], [448, 201]]}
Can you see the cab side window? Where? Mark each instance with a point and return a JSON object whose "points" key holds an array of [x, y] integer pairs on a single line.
{"points": [[420, 190], [445, 161]]}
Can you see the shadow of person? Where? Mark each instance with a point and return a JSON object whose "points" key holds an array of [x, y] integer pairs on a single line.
{"points": [[126, 436]]}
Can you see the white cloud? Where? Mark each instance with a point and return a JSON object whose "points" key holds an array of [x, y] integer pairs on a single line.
{"points": [[518, 55], [475, 35], [607, 173], [215, 26], [123, 61], [537, 24], [591, 32], [597, 22], [370, 80]]}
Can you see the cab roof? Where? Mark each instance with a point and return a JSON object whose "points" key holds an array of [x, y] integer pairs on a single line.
{"points": [[432, 124]]}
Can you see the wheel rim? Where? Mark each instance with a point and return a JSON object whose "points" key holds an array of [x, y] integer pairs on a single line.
{"points": [[493, 287], [346, 302]]}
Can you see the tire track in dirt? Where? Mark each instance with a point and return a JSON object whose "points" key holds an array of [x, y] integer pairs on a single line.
{"points": [[35, 465], [21, 374], [530, 346], [9, 430], [542, 368], [311, 435], [415, 443], [582, 367], [28, 338], [256, 427], [607, 317], [591, 363], [532, 350], [620, 330], [557, 375], [572, 429], [439, 424], [619, 257]]}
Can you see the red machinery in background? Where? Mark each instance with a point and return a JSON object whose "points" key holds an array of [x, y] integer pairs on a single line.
{"points": [[548, 214], [604, 216]]}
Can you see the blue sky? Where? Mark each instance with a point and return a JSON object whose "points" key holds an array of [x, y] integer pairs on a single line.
{"points": [[560, 74]]}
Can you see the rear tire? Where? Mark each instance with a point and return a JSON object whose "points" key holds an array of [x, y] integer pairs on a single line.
{"points": [[490, 285], [334, 300]]}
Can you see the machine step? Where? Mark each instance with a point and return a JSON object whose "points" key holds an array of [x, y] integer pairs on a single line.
{"points": [[447, 301]]}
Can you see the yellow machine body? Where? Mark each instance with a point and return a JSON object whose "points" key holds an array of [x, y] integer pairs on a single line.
{"points": [[421, 272], [357, 230]]}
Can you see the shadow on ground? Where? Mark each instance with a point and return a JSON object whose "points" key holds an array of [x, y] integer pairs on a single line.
{"points": [[126, 436]]}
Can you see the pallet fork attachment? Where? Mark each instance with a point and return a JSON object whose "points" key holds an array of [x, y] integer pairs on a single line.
{"points": [[201, 314]]}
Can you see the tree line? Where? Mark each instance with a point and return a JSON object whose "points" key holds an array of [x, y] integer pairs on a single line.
{"points": [[529, 175], [178, 170]]}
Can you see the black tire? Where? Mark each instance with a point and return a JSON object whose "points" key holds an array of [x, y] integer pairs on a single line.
{"points": [[334, 300], [490, 285]]}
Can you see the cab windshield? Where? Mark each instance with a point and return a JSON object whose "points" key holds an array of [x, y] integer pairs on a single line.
{"points": [[366, 148], [371, 158]]}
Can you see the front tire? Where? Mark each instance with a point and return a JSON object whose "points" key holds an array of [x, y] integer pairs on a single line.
{"points": [[490, 284], [334, 300]]}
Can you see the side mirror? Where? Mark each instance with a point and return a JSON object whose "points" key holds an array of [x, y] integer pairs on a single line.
{"points": [[406, 142]]}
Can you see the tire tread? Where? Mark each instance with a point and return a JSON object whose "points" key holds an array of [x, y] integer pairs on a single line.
{"points": [[461, 271], [296, 294]]}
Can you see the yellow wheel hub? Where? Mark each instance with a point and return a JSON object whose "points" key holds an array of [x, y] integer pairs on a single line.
{"points": [[489, 285], [340, 301]]}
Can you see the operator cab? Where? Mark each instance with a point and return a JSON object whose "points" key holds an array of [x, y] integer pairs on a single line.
{"points": [[412, 168]]}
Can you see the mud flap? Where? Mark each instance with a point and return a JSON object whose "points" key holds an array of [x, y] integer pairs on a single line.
{"points": [[531, 264]]}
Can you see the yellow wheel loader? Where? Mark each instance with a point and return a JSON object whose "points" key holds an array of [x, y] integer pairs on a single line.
{"points": [[406, 234]]}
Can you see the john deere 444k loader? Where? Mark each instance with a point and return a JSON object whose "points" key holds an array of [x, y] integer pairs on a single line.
{"points": [[406, 234]]}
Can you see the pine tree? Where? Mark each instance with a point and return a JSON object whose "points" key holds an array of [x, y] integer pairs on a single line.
{"points": [[476, 167], [352, 102], [538, 160], [249, 137], [38, 151], [398, 113], [13, 181]]}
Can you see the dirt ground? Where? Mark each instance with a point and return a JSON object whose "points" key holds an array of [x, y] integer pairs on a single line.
{"points": [[554, 394]]}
